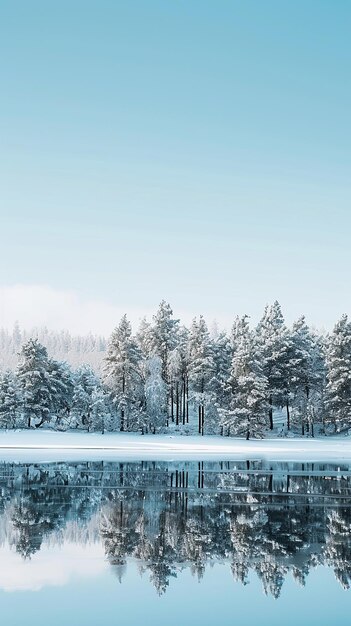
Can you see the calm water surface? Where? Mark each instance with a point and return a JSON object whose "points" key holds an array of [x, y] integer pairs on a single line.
{"points": [[175, 543]]}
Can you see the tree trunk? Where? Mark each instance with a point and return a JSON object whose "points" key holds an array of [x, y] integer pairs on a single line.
{"points": [[307, 399], [187, 401], [177, 402], [270, 412], [199, 420], [184, 395], [287, 414], [172, 407]]}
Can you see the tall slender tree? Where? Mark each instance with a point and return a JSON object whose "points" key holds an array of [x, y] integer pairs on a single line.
{"points": [[35, 382], [247, 415], [61, 390], [86, 386], [222, 358], [11, 405], [163, 340], [338, 389], [201, 368], [273, 339], [156, 396], [123, 372], [304, 376]]}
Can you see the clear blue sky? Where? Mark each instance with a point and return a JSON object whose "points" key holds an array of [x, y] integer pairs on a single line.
{"points": [[192, 150]]}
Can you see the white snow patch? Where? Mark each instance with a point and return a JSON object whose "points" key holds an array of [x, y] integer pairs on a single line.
{"points": [[41, 445]]}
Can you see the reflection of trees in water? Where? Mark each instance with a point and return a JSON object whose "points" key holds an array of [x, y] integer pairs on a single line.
{"points": [[337, 550], [270, 520], [27, 521], [195, 536]]}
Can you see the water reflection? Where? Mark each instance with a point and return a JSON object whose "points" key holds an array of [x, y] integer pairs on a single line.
{"points": [[271, 519]]}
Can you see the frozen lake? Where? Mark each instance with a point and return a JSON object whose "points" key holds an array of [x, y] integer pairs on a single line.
{"points": [[182, 542]]}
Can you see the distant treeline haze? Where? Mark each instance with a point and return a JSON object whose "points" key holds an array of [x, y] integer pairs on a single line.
{"points": [[247, 383]]}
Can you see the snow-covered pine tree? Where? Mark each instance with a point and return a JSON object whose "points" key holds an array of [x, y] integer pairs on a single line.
{"points": [[175, 371], [201, 368], [163, 340], [222, 358], [315, 409], [183, 350], [156, 396], [100, 415], [62, 388], [86, 384], [111, 419], [124, 372], [338, 389], [273, 339], [247, 415], [305, 377], [178, 379], [143, 339], [35, 382], [164, 331], [11, 407], [239, 330]]}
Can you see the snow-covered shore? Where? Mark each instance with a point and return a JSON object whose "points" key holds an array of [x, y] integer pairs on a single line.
{"points": [[46, 445]]}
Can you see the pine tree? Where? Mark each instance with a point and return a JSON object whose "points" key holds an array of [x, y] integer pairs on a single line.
{"points": [[175, 371], [156, 396], [86, 384], [273, 339], [338, 389], [305, 376], [222, 358], [11, 407], [163, 340], [100, 414], [124, 374], [61, 390], [143, 339], [164, 335], [35, 382], [247, 413], [315, 409], [178, 366], [201, 368], [240, 329]]}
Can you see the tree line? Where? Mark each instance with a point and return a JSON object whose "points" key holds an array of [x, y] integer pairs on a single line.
{"points": [[61, 345], [169, 376]]}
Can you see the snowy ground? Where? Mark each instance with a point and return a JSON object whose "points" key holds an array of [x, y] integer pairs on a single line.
{"points": [[46, 445]]}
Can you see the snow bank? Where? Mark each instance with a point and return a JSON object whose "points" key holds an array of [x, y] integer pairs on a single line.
{"points": [[46, 445]]}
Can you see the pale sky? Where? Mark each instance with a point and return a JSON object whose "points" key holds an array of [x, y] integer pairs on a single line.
{"points": [[189, 150]]}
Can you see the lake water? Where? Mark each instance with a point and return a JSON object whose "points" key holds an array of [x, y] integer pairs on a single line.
{"points": [[250, 543]]}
